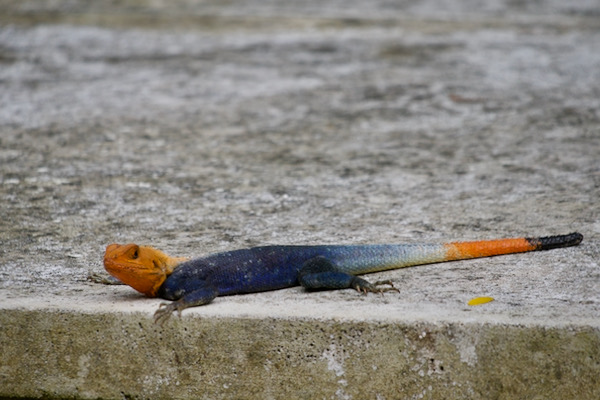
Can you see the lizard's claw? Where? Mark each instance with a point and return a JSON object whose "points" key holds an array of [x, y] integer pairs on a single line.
{"points": [[104, 280], [391, 287], [365, 287], [382, 290], [164, 312]]}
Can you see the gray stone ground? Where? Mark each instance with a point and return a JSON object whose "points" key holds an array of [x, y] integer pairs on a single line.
{"points": [[199, 126]]}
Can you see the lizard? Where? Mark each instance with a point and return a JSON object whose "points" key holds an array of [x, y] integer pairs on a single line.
{"points": [[195, 282]]}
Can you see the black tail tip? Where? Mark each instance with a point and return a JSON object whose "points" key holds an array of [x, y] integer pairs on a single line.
{"points": [[554, 242]]}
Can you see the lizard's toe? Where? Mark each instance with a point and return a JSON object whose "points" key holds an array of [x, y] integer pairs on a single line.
{"points": [[164, 312], [365, 287], [391, 287]]}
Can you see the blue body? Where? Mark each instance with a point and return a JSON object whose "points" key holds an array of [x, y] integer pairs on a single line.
{"points": [[275, 267]]}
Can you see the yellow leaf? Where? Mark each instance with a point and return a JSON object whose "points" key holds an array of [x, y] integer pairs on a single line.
{"points": [[480, 300]]}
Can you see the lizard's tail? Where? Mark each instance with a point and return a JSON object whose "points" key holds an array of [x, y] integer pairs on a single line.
{"points": [[374, 258], [486, 248]]}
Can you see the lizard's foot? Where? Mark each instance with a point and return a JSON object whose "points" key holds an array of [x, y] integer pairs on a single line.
{"points": [[388, 282], [198, 297], [364, 286], [104, 280], [164, 312]]}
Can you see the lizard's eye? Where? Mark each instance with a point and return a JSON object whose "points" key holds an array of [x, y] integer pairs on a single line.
{"points": [[135, 254]]}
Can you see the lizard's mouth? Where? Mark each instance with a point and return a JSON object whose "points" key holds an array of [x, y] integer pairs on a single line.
{"points": [[135, 266]]}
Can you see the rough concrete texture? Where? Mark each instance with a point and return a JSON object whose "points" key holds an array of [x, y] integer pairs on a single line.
{"points": [[205, 126]]}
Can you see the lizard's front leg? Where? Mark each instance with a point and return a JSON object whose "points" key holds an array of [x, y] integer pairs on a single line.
{"points": [[320, 273], [196, 298]]}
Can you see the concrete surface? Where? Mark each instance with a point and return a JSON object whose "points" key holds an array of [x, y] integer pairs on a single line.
{"points": [[205, 126]]}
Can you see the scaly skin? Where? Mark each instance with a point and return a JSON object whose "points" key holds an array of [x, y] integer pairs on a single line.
{"points": [[196, 282]]}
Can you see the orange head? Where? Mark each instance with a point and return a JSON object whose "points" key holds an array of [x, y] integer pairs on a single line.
{"points": [[143, 268]]}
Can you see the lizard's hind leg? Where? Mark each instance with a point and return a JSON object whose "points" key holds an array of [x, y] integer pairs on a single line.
{"points": [[321, 274]]}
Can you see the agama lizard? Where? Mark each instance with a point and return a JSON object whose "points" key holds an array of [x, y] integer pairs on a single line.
{"points": [[196, 282]]}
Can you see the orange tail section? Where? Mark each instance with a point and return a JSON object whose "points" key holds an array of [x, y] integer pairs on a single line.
{"points": [[487, 248]]}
